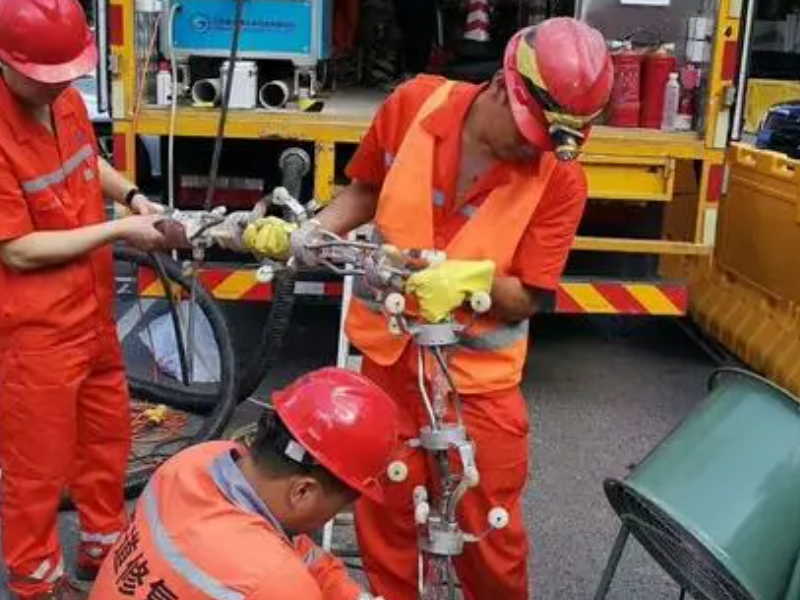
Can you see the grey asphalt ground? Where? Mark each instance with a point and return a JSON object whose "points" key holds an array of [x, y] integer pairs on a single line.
{"points": [[601, 392]]}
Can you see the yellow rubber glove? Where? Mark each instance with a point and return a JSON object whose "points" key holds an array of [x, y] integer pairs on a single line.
{"points": [[443, 288], [269, 237]]}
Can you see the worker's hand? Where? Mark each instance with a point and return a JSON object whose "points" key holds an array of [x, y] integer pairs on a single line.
{"points": [[140, 232], [444, 287], [269, 238], [142, 205]]}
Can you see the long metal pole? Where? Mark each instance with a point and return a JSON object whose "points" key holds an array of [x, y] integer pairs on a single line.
{"points": [[744, 64], [613, 561]]}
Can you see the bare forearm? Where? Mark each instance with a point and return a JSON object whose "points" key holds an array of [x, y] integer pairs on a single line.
{"points": [[115, 185], [354, 206], [48, 248], [512, 301]]}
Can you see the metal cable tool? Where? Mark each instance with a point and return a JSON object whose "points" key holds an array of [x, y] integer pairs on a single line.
{"points": [[385, 269]]}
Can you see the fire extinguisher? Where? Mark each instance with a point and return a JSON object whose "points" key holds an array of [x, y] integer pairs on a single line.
{"points": [[655, 73], [690, 81], [625, 104]]}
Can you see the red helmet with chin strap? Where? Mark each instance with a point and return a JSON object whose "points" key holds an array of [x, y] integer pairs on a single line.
{"points": [[345, 422], [559, 77], [46, 40]]}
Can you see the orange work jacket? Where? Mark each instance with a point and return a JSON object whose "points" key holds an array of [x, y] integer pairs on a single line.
{"points": [[200, 532], [50, 182], [491, 353]]}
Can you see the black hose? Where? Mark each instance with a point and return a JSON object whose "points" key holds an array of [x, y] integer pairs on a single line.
{"points": [[294, 164], [226, 99], [272, 337], [176, 319]]}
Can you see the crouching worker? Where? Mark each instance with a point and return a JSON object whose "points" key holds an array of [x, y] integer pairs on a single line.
{"points": [[225, 522]]}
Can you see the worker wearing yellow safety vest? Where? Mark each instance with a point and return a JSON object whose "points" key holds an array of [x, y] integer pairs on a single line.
{"points": [[221, 521], [487, 174]]}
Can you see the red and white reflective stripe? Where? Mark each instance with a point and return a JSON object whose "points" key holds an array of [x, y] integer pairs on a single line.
{"points": [[105, 539], [57, 573], [477, 28], [46, 572]]}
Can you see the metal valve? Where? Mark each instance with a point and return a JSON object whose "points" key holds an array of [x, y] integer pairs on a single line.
{"points": [[480, 302], [397, 471]]}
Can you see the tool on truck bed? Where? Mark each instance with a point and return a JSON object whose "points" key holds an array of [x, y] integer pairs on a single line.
{"points": [[385, 270]]}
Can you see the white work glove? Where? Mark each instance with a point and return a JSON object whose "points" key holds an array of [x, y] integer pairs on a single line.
{"points": [[305, 236], [228, 234]]}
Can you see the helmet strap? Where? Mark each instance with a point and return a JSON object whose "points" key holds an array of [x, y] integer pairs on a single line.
{"points": [[282, 443]]}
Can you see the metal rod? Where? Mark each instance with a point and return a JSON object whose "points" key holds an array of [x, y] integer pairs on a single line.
{"points": [[423, 390], [613, 561], [683, 594], [744, 65], [437, 352], [190, 328], [175, 311], [226, 99], [451, 584]]}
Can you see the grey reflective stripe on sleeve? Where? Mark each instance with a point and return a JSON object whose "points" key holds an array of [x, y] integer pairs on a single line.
{"points": [[32, 186], [177, 560], [498, 338], [468, 210]]}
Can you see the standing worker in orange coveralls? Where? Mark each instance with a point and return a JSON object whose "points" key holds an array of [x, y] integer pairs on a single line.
{"points": [[64, 417], [486, 173]]}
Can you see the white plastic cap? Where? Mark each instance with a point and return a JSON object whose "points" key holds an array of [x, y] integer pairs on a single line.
{"points": [[397, 471], [498, 517]]}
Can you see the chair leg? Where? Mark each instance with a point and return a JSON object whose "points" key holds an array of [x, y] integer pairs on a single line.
{"points": [[613, 561]]}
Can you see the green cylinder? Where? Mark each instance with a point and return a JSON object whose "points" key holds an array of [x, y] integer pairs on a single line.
{"points": [[719, 498]]}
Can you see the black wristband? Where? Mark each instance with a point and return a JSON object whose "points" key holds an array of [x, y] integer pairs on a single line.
{"points": [[129, 196]]}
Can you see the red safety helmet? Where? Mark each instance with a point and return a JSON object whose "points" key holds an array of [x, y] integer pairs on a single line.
{"points": [[46, 40], [346, 422], [559, 77]]}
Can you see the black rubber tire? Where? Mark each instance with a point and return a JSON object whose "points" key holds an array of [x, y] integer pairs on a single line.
{"points": [[218, 408], [174, 394]]}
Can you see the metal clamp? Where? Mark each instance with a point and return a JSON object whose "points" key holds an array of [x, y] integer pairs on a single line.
{"points": [[440, 440]]}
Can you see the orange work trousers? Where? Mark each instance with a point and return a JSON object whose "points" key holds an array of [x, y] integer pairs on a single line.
{"points": [[64, 424], [495, 567]]}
